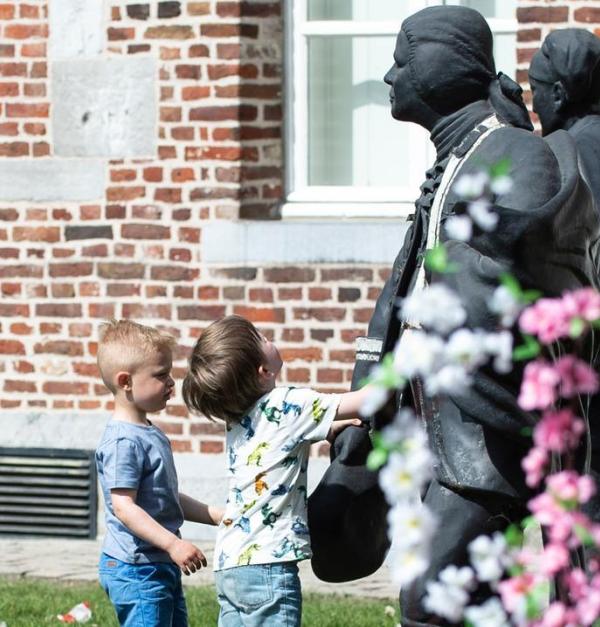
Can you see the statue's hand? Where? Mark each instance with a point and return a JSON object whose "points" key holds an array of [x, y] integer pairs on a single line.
{"points": [[339, 425]]}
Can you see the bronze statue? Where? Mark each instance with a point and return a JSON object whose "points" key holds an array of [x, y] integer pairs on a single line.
{"points": [[444, 79]]}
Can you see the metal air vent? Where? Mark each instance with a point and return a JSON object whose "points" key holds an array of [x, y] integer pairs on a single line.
{"points": [[47, 492]]}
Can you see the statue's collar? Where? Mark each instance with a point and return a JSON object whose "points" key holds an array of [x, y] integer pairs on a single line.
{"points": [[451, 130]]}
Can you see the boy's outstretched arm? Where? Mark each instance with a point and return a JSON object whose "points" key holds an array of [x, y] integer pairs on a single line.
{"points": [[186, 555], [351, 403], [199, 512]]}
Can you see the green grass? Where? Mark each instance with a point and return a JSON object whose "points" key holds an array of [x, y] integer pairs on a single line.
{"points": [[36, 602]]}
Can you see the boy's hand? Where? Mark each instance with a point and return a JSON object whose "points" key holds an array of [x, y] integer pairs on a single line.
{"points": [[187, 556], [337, 426]]}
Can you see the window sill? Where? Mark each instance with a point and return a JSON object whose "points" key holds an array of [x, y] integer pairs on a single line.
{"points": [[346, 210]]}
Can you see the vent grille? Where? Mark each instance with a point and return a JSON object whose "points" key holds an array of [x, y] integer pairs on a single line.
{"points": [[48, 492]]}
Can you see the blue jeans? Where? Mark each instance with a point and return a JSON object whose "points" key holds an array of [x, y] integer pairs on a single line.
{"points": [[144, 595], [260, 595]]}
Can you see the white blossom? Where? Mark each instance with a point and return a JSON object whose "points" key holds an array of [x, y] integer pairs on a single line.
{"points": [[407, 564], [375, 399], [459, 228], [390, 611], [506, 305], [437, 308], [501, 185], [460, 577], [483, 215], [410, 524], [449, 379], [404, 474], [417, 353], [488, 556], [445, 601], [404, 425], [466, 348], [500, 347], [471, 186], [489, 614]]}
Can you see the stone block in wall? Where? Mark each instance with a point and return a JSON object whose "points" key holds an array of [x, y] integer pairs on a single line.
{"points": [[104, 107], [49, 180], [77, 28]]}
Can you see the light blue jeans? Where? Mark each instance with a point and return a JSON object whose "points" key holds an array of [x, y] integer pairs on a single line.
{"points": [[144, 595], [260, 595]]}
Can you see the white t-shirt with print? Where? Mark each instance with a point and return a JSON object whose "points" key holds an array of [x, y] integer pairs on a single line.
{"points": [[265, 517]]}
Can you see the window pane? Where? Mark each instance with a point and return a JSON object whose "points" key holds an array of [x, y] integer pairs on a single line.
{"points": [[352, 137], [503, 9], [505, 53], [357, 10]]}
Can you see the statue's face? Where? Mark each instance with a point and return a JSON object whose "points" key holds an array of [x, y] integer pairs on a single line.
{"points": [[544, 104], [404, 99]]}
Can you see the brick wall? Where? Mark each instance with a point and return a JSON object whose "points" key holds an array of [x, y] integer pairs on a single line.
{"points": [[537, 18], [136, 250]]}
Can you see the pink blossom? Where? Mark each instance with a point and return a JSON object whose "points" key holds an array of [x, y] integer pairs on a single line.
{"points": [[557, 615], [545, 508], [569, 486], [562, 528], [588, 608], [577, 583], [547, 319], [583, 303], [576, 377], [514, 590], [538, 388], [554, 557], [558, 431], [534, 464]]}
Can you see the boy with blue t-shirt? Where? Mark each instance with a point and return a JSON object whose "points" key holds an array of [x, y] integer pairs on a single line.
{"points": [[264, 530], [143, 551]]}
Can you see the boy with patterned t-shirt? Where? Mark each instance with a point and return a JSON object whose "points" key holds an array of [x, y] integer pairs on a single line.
{"points": [[264, 530]]}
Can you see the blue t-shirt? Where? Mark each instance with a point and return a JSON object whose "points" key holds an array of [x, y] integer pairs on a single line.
{"points": [[140, 458]]}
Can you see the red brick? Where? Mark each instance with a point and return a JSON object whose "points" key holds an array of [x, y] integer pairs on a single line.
{"points": [[7, 11], [262, 295], [189, 235], [80, 329], [200, 312], [330, 375], [180, 446], [222, 70], [6, 404], [27, 110], [289, 274], [347, 274], [30, 11], [60, 347], [243, 29], [289, 293], [58, 310], [20, 386], [249, 90], [180, 254], [207, 428], [225, 153], [67, 388], [153, 174], [169, 32], [120, 34], [229, 51], [9, 89], [211, 446], [542, 14], [11, 289], [199, 50], [198, 8], [181, 175], [529, 34], [11, 347], [362, 315], [170, 114], [50, 328], [524, 55], [71, 269], [117, 176], [169, 54], [301, 354], [292, 335], [323, 314], [171, 195], [234, 292], [62, 290], [319, 293], [261, 314], [145, 231], [146, 310], [124, 193], [13, 69], [36, 234], [188, 72], [298, 375], [32, 128], [195, 93], [23, 367], [25, 31], [345, 356], [220, 113], [173, 273], [121, 271], [587, 15], [41, 149], [85, 369], [20, 328], [14, 149], [33, 50], [101, 310]]}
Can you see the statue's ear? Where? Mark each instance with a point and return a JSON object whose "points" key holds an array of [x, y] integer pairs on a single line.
{"points": [[559, 97]]}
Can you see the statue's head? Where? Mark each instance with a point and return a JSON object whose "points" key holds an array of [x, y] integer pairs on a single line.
{"points": [[565, 77], [444, 61]]}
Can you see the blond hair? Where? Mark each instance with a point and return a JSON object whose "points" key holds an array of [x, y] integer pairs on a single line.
{"points": [[223, 379], [126, 345]]}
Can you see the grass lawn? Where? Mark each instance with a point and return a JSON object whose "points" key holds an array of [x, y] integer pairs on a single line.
{"points": [[36, 602]]}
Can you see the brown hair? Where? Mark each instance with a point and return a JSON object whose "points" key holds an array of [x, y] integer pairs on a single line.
{"points": [[223, 380], [125, 345]]}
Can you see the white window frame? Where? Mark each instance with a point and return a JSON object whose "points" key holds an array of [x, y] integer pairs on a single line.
{"points": [[305, 201]]}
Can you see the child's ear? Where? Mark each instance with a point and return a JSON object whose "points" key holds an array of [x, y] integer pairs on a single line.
{"points": [[124, 380], [264, 373]]}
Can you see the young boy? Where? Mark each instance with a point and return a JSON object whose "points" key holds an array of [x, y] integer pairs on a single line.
{"points": [[264, 530], [143, 550]]}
